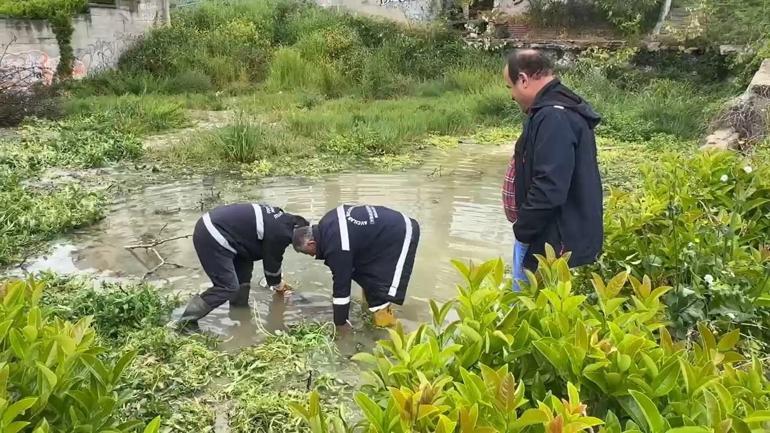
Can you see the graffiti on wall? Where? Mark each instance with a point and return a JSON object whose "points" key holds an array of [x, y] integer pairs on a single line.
{"points": [[30, 67], [22, 69], [385, 2]]}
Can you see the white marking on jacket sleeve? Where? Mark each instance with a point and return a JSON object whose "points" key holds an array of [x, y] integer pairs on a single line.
{"points": [[216, 234], [260, 221], [273, 274], [379, 307], [558, 106], [341, 301], [401, 258], [344, 239]]}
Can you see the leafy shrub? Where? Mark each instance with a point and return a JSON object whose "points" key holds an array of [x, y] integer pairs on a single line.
{"points": [[115, 309], [189, 82], [54, 378], [700, 225], [224, 51], [40, 9], [545, 359]]}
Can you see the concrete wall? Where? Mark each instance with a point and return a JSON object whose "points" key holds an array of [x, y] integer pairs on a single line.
{"points": [[512, 7], [398, 10], [100, 37]]}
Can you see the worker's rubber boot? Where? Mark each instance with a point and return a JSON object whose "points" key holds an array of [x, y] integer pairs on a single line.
{"points": [[385, 318], [241, 298], [196, 309]]}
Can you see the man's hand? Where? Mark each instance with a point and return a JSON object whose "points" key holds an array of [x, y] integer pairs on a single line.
{"points": [[282, 287]]}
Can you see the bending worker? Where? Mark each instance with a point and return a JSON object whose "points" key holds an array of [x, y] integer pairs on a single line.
{"points": [[228, 240], [371, 245]]}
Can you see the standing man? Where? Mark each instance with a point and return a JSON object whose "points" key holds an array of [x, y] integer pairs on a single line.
{"points": [[228, 240], [552, 193], [371, 245]]}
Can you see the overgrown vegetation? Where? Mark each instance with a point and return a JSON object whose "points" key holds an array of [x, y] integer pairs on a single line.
{"points": [[59, 14], [699, 225], [148, 370], [552, 359], [631, 18], [55, 377]]}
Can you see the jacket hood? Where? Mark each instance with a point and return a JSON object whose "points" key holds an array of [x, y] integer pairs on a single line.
{"points": [[557, 94]]}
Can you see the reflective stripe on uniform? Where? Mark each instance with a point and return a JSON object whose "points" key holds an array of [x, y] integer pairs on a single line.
{"points": [[260, 221], [273, 274], [402, 258], [379, 307], [341, 301], [344, 238], [216, 234]]}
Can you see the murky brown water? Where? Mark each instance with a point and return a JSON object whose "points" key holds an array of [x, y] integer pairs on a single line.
{"points": [[455, 196]]}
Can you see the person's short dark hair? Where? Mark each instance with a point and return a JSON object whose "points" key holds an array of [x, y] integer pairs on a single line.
{"points": [[300, 221], [302, 235], [534, 63]]}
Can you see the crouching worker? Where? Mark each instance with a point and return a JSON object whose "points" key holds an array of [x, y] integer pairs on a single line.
{"points": [[228, 240], [371, 245]]}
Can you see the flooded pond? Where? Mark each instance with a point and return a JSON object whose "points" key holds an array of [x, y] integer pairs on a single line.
{"points": [[455, 196]]}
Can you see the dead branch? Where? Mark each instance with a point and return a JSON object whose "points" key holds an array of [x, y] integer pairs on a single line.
{"points": [[149, 247], [162, 263], [156, 242]]}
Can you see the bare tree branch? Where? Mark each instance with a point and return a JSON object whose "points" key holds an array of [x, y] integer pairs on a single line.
{"points": [[149, 247]]}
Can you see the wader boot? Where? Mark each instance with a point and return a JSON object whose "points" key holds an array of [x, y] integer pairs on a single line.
{"points": [[196, 309], [241, 298], [385, 318]]}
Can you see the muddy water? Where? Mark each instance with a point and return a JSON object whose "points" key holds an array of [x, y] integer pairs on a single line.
{"points": [[455, 196]]}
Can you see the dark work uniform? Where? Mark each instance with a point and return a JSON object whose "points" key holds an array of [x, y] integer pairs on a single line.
{"points": [[230, 238], [371, 245]]}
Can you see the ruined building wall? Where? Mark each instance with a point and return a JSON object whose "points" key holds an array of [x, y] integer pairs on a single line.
{"points": [[100, 36]]}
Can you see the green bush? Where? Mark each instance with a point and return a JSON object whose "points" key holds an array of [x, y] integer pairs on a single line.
{"points": [[115, 309], [54, 376], [40, 9], [550, 359], [699, 224]]}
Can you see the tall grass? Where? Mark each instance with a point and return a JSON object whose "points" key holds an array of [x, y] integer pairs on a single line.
{"points": [[658, 106], [243, 142], [133, 114]]}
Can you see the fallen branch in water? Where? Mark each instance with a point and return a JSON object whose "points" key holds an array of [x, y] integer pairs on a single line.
{"points": [[155, 243], [150, 247]]}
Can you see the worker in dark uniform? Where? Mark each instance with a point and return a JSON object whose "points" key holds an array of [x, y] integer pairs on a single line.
{"points": [[228, 240], [371, 245]]}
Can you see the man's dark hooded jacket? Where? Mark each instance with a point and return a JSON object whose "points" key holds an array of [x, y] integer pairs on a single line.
{"points": [[558, 185]]}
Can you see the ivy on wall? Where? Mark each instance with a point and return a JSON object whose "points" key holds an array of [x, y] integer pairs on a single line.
{"points": [[59, 13]]}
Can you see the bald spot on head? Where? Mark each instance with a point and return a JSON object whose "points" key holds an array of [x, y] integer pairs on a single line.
{"points": [[535, 64]]}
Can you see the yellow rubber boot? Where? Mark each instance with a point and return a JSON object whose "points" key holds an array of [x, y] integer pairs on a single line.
{"points": [[385, 318]]}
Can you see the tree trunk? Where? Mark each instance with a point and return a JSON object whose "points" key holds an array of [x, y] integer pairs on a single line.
{"points": [[466, 11]]}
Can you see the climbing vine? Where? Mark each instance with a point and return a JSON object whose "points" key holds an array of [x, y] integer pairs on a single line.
{"points": [[59, 13], [63, 29]]}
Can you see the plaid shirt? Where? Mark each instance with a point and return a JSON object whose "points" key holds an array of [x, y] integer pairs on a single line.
{"points": [[509, 192]]}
